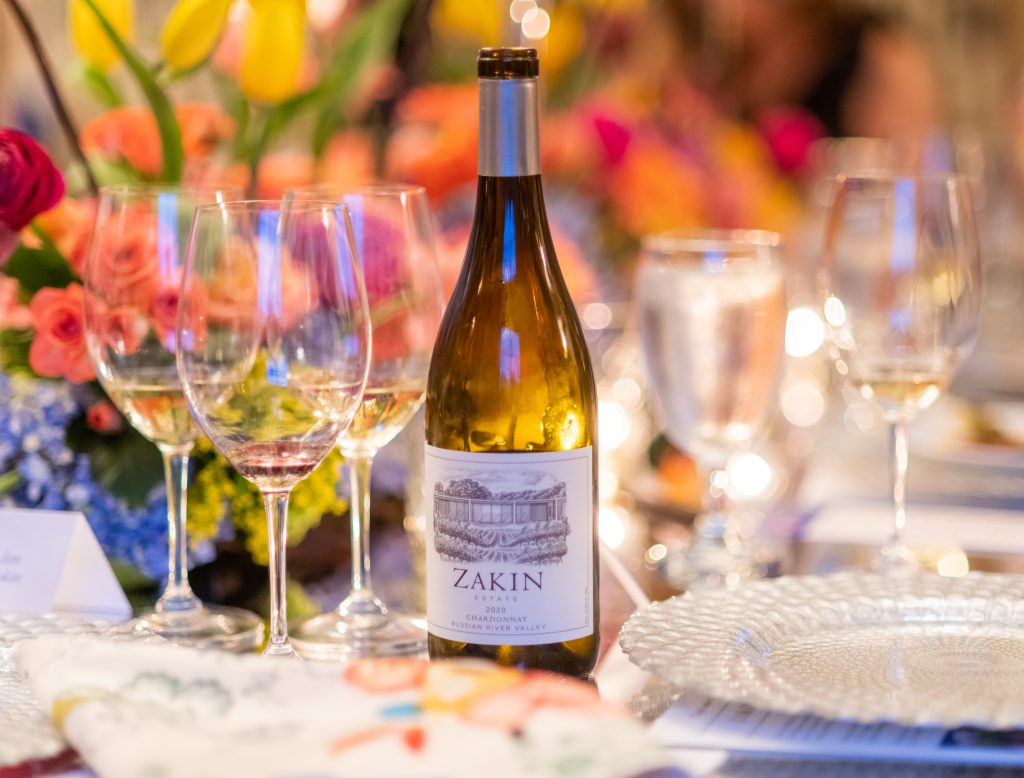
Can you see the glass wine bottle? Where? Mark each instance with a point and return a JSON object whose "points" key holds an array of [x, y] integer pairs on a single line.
{"points": [[511, 419]]}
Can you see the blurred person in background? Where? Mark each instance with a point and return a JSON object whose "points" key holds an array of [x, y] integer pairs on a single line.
{"points": [[857, 72]]}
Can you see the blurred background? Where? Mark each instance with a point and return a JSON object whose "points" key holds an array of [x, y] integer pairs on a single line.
{"points": [[658, 114]]}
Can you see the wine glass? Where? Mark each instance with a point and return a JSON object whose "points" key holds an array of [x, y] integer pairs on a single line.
{"points": [[132, 279], [901, 292], [712, 317], [273, 331], [395, 245]]}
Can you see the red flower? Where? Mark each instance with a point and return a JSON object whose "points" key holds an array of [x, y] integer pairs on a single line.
{"points": [[103, 417], [29, 182], [58, 349], [790, 133]]}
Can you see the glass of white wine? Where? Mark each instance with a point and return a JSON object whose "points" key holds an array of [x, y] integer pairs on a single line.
{"points": [[274, 336], [395, 245], [712, 317], [132, 279], [901, 296]]}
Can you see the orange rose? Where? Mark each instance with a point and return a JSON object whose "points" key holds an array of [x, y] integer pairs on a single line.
{"points": [[58, 349], [131, 134], [69, 226], [13, 315]]}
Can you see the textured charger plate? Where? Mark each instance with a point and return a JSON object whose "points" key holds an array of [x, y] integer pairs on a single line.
{"points": [[912, 650]]}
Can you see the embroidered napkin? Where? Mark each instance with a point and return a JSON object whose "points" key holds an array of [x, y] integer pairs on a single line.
{"points": [[27, 738], [158, 711]]}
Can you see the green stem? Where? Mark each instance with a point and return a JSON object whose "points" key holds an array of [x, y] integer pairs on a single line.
{"points": [[9, 480], [260, 127], [159, 104]]}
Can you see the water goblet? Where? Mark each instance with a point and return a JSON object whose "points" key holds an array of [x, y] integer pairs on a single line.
{"points": [[712, 316]]}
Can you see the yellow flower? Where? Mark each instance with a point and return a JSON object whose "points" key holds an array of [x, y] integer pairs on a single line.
{"points": [[564, 41], [477, 20], [192, 30], [89, 39], [273, 47]]}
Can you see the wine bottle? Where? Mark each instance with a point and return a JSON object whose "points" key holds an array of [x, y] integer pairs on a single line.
{"points": [[511, 421]]}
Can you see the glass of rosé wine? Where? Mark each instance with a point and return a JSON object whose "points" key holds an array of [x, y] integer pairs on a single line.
{"points": [[273, 340], [133, 275]]}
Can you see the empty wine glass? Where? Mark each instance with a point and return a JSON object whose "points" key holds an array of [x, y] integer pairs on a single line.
{"points": [[712, 317], [901, 292], [132, 279], [273, 333], [394, 239]]}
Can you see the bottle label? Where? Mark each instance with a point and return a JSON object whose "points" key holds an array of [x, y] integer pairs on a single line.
{"points": [[510, 546]]}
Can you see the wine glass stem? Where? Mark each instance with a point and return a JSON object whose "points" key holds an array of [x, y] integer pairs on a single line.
{"points": [[900, 450], [178, 596], [361, 601], [276, 505], [713, 523]]}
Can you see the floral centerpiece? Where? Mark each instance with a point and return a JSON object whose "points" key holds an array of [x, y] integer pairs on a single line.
{"points": [[623, 155], [63, 445]]}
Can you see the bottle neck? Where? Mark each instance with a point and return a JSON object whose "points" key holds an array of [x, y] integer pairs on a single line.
{"points": [[509, 132]]}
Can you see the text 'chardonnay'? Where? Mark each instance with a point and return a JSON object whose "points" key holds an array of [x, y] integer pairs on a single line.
{"points": [[511, 419]]}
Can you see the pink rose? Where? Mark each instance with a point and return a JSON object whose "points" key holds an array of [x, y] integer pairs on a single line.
{"points": [[58, 349], [104, 418], [29, 182]]}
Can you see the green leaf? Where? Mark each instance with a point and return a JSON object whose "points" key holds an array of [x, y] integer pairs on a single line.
{"points": [[102, 88], [134, 582], [159, 103], [14, 346], [126, 465], [35, 268]]}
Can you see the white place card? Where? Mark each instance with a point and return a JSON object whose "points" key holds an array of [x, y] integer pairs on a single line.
{"points": [[50, 561]]}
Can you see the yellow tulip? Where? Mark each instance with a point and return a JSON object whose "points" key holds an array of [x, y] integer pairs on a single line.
{"points": [[192, 30], [273, 47], [89, 39]]}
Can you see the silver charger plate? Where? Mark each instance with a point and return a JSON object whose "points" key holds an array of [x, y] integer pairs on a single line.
{"points": [[914, 650]]}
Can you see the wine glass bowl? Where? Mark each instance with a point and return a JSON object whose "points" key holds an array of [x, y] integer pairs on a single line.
{"points": [[394, 240], [900, 285], [132, 282], [274, 339], [712, 313]]}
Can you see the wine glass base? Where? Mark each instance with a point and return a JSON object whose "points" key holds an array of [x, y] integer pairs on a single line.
{"points": [[332, 636], [710, 566], [211, 626], [896, 559]]}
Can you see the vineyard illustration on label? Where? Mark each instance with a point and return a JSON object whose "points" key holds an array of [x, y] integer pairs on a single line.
{"points": [[507, 516]]}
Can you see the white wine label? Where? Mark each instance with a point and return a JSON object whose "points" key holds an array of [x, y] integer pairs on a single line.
{"points": [[510, 546]]}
